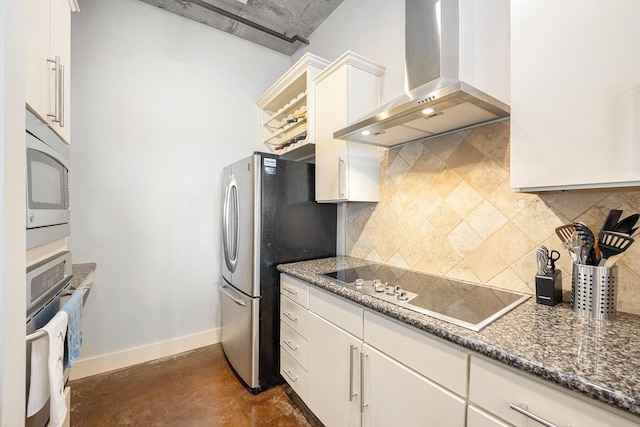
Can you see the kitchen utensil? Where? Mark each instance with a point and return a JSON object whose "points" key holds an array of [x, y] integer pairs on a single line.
{"points": [[626, 225], [611, 243], [542, 259], [552, 257], [588, 253], [577, 244], [611, 220], [565, 232]]}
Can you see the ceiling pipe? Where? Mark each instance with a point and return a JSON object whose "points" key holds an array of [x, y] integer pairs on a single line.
{"points": [[242, 20]]}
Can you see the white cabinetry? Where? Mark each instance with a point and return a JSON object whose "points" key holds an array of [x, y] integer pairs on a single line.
{"points": [[48, 59], [415, 400], [574, 95], [294, 302], [353, 367], [287, 111], [422, 378], [476, 417], [498, 389], [334, 374], [346, 90]]}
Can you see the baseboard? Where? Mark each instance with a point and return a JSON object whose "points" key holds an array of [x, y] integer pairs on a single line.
{"points": [[109, 362]]}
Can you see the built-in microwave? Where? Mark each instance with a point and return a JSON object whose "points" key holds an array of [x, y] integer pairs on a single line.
{"points": [[48, 213]]}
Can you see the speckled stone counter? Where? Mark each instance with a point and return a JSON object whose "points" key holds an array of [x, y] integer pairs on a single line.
{"points": [[83, 277], [597, 359]]}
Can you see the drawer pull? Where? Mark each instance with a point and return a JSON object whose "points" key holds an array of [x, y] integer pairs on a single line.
{"points": [[291, 291], [522, 409], [290, 317], [293, 378], [292, 347]]}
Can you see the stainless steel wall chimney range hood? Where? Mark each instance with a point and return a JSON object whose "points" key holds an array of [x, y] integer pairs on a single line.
{"points": [[437, 101]]}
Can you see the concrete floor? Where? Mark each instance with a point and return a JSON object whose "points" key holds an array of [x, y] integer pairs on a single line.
{"points": [[194, 389]]}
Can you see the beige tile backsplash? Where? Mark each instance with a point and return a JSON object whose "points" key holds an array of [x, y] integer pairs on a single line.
{"points": [[446, 208]]}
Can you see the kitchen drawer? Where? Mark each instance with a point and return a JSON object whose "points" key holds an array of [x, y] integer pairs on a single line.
{"points": [[294, 344], [295, 289], [293, 373], [337, 310], [293, 315], [434, 358], [494, 387]]}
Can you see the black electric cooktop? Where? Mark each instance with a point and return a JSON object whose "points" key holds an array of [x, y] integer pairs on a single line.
{"points": [[464, 304]]}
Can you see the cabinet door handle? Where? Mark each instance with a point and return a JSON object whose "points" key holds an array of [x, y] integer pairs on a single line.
{"points": [[61, 96], [293, 378], [56, 89], [293, 319], [522, 409], [291, 291], [291, 346], [362, 402], [351, 358], [340, 177]]}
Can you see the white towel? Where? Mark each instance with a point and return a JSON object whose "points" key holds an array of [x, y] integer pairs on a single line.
{"points": [[47, 371]]}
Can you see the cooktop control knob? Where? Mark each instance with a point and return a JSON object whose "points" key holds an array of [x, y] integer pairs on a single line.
{"points": [[359, 282]]}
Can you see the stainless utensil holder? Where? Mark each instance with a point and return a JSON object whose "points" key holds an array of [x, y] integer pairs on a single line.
{"points": [[593, 291]]}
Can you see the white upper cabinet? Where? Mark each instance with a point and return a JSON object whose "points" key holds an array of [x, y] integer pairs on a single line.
{"points": [[346, 90], [287, 111], [48, 62], [575, 97]]}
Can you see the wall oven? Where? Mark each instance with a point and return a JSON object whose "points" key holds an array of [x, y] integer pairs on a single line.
{"points": [[48, 211], [48, 288]]}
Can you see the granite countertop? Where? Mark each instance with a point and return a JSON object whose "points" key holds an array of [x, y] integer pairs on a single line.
{"points": [[598, 359], [82, 279]]}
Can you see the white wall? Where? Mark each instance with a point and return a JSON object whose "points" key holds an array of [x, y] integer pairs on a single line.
{"points": [[160, 104], [12, 213], [374, 30]]}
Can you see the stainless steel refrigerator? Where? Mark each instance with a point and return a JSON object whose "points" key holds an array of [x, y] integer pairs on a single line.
{"points": [[270, 217]]}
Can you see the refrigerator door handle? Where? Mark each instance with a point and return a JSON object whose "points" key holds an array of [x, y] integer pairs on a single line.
{"points": [[233, 298], [230, 219]]}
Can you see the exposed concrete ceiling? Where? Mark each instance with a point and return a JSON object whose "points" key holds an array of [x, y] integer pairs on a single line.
{"points": [[286, 24]]}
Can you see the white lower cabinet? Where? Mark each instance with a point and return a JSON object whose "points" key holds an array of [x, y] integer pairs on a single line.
{"points": [[294, 373], [394, 395], [518, 399], [294, 314], [353, 383], [334, 373]]}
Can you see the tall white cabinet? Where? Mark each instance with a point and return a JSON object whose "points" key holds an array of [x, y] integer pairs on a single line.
{"points": [[48, 62], [574, 95], [345, 91]]}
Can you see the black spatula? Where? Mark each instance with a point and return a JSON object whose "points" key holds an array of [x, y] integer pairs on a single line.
{"points": [[612, 244], [626, 225], [611, 220]]}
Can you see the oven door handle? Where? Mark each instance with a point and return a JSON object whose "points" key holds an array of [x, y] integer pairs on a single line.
{"points": [[40, 333]]}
